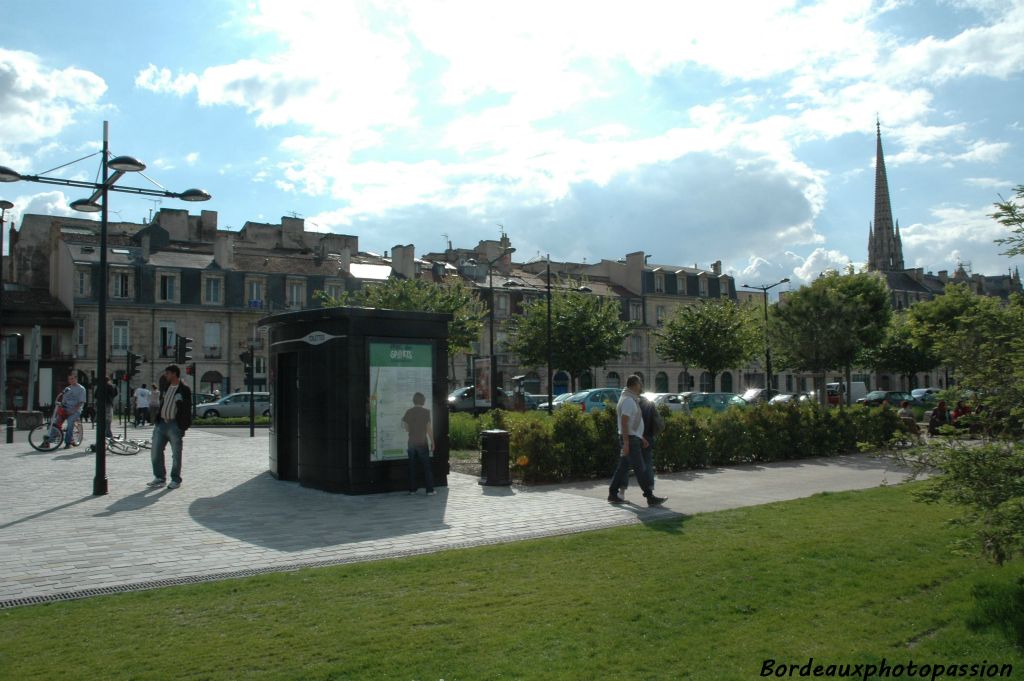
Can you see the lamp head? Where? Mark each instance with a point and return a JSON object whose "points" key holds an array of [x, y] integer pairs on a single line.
{"points": [[194, 195], [86, 206], [5, 204], [8, 175], [126, 164]]}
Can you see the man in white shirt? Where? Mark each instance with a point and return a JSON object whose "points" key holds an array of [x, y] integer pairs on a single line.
{"points": [[141, 397], [631, 443]]}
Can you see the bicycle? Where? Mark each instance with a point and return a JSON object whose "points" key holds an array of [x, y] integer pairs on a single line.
{"points": [[48, 435], [116, 445]]}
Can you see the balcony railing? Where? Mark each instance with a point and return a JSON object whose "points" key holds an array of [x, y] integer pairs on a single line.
{"points": [[211, 352]]}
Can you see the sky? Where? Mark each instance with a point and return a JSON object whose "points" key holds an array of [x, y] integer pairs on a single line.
{"points": [[736, 131]]}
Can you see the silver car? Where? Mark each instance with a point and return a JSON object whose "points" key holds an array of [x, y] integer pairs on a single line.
{"points": [[235, 405]]}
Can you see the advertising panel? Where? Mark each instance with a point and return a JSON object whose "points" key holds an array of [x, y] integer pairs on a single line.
{"points": [[398, 371], [482, 382]]}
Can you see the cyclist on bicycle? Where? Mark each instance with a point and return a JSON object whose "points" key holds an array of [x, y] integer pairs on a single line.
{"points": [[69, 408]]}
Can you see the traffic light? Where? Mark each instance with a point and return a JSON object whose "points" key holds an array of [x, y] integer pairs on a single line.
{"points": [[133, 366], [246, 358], [183, 350]]}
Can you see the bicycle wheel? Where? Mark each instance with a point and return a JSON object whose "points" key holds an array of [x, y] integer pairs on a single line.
{"points": [[124, 448], [37, 438], [78, 434]]}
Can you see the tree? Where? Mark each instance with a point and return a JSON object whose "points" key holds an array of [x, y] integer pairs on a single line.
{"points": [[451, 296], [934, 320], [586, 331], [803, 330], [898, 352], [1011, 215], [867, 311], [825, 325], [715, 335]]}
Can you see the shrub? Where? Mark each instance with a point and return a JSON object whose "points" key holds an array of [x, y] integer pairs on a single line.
{"points": [[463, 431]]}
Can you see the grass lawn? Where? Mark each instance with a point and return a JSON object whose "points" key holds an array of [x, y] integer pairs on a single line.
{"points": [[844, 578]]}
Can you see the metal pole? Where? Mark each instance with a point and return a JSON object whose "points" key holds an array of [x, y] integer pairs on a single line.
{"points": [[767, 347], [4, 205], [490, 349], [252, 398], [551, 397], [99, 482]]}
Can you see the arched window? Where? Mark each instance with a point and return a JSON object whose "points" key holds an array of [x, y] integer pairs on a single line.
{"points": [[561, 382], [586, 380], [613, 380], [685, 383], [661, 382], [706, 386], [726, 381]]}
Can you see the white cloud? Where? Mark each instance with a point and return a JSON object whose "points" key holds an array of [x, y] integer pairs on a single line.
{"points": [[38, 102], [952, 231], [821, 259]]}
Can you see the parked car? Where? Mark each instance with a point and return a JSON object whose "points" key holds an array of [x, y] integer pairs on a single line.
{"points": [[464, 399], [558, 401], [236, 404], [895, 397], [594, 399], [674, 401], [789, 398], [714, 401], [928, 396], [533, 401], [756, 395], [837, 392]]}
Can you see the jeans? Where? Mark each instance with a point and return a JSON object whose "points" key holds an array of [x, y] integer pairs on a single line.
{"points": [[69, 428], [647, 454], [141, 416], [417, 455], [110, 421], [635, 459], [164, 432]]}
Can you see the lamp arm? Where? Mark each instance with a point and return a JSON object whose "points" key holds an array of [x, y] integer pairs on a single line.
{"points": [[97, 187]]}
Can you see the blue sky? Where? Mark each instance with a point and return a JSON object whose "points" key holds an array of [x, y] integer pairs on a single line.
{"points": [[742, 132]]}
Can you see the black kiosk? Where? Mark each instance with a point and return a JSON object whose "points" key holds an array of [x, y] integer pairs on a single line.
{"points": [[342, 378]]}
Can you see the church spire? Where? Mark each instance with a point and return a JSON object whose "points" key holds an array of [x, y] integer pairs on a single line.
{"points": [[885, 248]]}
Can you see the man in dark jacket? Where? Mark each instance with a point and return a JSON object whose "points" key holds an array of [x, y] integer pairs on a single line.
{"points": [[172, 420]]}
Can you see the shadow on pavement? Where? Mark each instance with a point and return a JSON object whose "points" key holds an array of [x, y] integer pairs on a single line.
{"points": [[285, 516], [133, 502], [46, 512]]}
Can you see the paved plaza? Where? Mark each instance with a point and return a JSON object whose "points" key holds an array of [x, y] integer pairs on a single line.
{"points": [[231, 518]]}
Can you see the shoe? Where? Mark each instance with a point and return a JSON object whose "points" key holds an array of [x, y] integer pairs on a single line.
{"points": [[656, 501], [156, 482], [615, 499], [67, 446], [431, 493], [173, 485]]}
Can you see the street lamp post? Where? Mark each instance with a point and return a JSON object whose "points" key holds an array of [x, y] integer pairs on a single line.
{"points": [[97, 203], [494, 356], [551, 397], [5, 205], [767, 346]]}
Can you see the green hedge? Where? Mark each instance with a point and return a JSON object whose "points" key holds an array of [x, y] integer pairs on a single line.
{"points": [[233, 421], [572, 445]]}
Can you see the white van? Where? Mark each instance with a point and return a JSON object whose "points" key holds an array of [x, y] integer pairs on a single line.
{"points": [[836, 392]]}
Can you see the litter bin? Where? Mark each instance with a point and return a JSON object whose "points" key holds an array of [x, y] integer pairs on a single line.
{"points": [[494, 458]]}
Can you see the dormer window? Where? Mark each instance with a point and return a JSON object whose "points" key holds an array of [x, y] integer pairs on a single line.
{"points": [[659, 282]]}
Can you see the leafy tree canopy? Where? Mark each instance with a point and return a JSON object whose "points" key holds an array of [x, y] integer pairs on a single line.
{"points": [[1011, 214], [826, 325], [714, 334], [586, 331], [451, 296]]}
